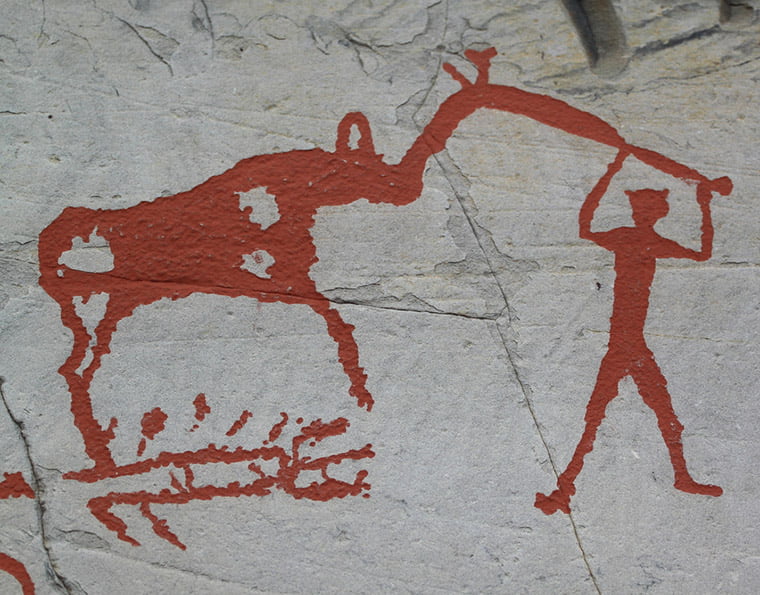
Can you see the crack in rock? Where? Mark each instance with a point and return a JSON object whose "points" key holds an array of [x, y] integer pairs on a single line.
{"points": [[60, 582], [162, 42]]}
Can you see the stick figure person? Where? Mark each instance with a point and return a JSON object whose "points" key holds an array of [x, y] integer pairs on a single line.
{"points": [[636, 250]]}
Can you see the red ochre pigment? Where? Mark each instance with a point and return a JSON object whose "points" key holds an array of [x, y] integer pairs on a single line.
{"points": [[153, 422], [290, 465], [201, 407], [197, 241], [277, 428], [18, 571], [636, 252], [242, 420], [15, 486]]}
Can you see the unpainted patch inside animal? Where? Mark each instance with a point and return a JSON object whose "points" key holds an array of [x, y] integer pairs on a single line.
{"points": [[261, 207], [91, 310], [91, 256], [257, 263]]}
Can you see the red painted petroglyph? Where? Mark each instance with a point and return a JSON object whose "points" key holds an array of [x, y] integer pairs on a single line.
{"points": [[201, 407], [152, 423], [201, 241], [277, 428], [636, 252], [242, 420], [18, 571], [14, 486], [291, 463]]}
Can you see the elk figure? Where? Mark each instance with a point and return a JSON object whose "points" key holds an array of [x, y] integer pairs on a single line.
{"points": [[196, 241]]}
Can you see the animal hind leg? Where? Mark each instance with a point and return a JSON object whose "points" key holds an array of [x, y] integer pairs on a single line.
{"points": [[348, 351]]}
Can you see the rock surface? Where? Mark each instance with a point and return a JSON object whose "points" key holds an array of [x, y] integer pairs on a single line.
{"points": [[480, 315]]}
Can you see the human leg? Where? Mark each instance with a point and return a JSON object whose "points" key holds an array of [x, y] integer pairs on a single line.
{"points": [[611, 371], [654, 391]]}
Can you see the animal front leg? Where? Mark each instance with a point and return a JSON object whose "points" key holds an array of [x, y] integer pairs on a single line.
{"points": [[348, 351], [95, 437]]}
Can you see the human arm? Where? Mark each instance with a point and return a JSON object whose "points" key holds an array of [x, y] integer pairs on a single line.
{"points": [[675, 250], [704, 196], [586, 215]]}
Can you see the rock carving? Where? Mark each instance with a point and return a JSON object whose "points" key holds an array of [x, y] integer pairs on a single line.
{"points": [[15, 486], [636, 251], [202, 241]]}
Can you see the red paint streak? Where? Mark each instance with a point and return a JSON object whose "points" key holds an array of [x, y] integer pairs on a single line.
{"points": [[240, 423], [153, 423], [176, 484], [189, 476], [160, 526], [636, 252], [290, 465], [277, 428], [18, 571], [201, 407], [14, 486]]}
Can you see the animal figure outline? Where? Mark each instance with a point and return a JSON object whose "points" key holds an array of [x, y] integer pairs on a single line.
{"points": [[198, 242]]}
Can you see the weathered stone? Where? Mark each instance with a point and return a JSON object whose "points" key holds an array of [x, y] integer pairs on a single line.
{"points": [[480, 315]]}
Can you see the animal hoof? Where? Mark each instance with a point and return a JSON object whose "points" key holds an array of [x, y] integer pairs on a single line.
{"points": [[363, 397]]}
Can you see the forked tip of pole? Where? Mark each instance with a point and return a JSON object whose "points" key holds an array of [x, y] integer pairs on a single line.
{"points": [[722, 185]]}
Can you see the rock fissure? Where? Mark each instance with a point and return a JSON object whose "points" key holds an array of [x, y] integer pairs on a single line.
{"points": [[60, 582]]}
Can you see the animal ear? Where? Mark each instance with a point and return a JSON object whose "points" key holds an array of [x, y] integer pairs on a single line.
{"points": [[364, 142]]}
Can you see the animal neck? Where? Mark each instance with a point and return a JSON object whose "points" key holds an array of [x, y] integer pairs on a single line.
{"points": [[435, 135]]}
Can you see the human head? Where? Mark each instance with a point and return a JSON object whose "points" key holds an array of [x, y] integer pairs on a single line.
{"points": [[648, 206]]}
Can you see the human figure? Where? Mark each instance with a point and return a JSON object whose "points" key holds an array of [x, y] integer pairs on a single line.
{"points": [[636, 251]]}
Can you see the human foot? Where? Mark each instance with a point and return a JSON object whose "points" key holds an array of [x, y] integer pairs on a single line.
{"points": [[555, 501], [692, 487]]}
